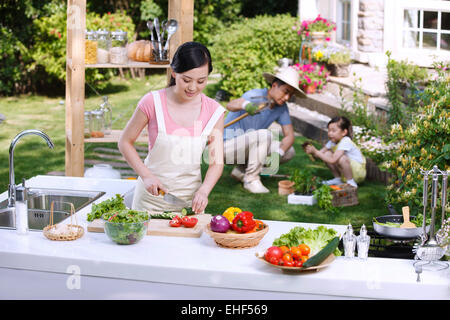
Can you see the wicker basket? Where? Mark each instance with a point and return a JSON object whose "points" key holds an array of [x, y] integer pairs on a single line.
{"points": [[347, 196], [75, 231], [237, 240]]}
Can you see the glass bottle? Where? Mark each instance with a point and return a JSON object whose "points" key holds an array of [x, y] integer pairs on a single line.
{"points": [[363, 242], [118, 51], [349, 240], [103, 46], [97, 124], [90, 47], [87, 124], [107, 115]]}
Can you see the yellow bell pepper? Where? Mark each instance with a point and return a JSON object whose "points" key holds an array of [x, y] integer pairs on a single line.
{"points": [[231, 212]]}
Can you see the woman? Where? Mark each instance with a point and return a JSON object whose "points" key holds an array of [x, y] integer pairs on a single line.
{"points": [[180, 120]]}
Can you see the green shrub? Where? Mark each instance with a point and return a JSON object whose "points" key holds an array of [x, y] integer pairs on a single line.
{"points": [[248, 48], [14, 58], [424, 144]]}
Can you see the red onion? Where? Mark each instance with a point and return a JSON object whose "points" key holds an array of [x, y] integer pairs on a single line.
{"points": [[220, 224]]}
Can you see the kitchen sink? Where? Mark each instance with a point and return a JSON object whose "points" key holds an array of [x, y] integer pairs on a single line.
{"points": [[39, 203]]}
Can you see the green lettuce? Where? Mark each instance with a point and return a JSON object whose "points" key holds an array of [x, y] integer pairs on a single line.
{"points": [[316, 239]]}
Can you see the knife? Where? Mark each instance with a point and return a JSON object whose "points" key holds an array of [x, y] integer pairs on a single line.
{"points": [[170, 198]]}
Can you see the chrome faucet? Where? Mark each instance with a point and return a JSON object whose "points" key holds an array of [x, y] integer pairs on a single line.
{"points": [[12, 185]]}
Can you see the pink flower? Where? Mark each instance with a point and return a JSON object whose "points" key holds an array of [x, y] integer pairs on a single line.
{"points": [[308, 79], [307, 33], [327, 39]]}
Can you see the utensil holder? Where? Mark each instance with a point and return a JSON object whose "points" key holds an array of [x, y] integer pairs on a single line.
{"points": [[159, 55]]}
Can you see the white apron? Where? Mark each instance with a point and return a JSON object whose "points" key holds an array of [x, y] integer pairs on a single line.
{"points": [[176, 161]]}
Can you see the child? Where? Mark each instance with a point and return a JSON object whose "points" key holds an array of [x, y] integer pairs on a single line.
{"points": [[341, 154]]}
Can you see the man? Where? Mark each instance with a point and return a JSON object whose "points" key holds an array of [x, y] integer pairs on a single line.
{"points": [[248, 142]]}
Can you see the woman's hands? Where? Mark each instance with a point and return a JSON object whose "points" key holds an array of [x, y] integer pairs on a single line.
{"points": [[153, 185], [200, 201]]}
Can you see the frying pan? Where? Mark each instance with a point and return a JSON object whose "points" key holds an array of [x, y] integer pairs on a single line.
{"points": [[393, 232]]}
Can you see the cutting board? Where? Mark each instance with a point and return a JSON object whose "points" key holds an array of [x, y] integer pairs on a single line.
{"points": [[160, 227]]}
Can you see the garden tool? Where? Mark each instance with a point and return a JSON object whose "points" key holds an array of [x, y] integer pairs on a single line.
{"points": [[304, 148], [261, 106]]}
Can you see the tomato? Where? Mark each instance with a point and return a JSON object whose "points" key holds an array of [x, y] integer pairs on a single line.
{"points": [[298, 263], [189, 222], [287, 257], [303, 259], [284, 249], [305, 249], [273, 260], [273, 251], [175, 222], [296, 253], [289, 264]]}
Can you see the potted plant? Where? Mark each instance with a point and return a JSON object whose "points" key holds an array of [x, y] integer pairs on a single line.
{"points": [[312, 77], [304, 184], [285, 187], [338, 63], [318, 30]]}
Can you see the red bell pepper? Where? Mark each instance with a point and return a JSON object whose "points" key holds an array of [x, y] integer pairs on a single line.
{"points": [[189, 222], [243, 222]]}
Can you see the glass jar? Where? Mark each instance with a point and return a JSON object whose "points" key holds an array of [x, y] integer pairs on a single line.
{"points": [[90, 47], [107, 115], [87, 124], [118, 51], [103, 46], [97, 124]]}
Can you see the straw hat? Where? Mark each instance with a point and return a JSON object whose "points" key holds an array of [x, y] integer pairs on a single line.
{"points": [[289, 76]]}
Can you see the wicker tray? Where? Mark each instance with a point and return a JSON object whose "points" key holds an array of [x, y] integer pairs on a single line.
{"points": [[74, 233], [237, 240], [348, 196]]}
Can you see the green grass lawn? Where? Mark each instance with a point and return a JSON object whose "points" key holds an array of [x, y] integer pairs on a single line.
{"points": [[33, 157]]}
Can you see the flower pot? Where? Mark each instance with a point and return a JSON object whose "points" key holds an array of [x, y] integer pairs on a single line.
{"points": [[308, 200], [285, 187], [339, 70], [309, 89], [318, 37]]}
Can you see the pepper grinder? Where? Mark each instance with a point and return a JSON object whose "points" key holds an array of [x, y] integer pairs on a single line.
{"points": [[363, 242], [349, 240]]}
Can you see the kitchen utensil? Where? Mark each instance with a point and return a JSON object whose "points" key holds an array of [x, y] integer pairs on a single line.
{"points": [[406, 223], [152, 37], [158, 35], [418, 269], [170, 198], [160, 227], [325, 263], [396, 232], [163, 30], [172, 26]]}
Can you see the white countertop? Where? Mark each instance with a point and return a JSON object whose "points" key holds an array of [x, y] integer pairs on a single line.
{"points": [[200, 262]]}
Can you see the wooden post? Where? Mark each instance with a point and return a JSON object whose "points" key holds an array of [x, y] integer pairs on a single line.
{"points": [[183, 12], [76, 25]]}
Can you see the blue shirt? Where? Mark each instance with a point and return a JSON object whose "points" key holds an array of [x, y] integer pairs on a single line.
{"points": [[261, 120]]}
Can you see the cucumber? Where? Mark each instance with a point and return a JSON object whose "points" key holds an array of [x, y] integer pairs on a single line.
{"points": [[165, 215], [187, 212], [322, 254]]}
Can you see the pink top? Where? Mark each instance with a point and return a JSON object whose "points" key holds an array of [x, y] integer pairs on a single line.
{"points": [[146, 105]]}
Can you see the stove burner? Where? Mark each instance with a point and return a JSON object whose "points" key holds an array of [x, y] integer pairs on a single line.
{"points": [[383, 247]]}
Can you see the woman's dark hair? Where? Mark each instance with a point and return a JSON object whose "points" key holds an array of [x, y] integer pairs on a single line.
{"points": [[190, 55], [343, 123]]}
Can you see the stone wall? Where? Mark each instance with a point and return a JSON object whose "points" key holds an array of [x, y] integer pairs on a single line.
{"points": [[370, 25]]}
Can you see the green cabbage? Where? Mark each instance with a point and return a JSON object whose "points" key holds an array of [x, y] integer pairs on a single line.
{"points": [[316, 239]]}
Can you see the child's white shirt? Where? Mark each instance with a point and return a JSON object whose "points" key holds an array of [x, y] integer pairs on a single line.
{"points": [[349, 147]]}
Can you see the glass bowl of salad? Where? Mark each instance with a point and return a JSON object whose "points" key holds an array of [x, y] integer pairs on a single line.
{"points": [[126, 226]]}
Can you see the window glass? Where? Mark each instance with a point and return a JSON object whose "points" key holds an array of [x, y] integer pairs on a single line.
{"points": [[445, 21], [411, 39], [411, 18], [429, 40], [445, 41], [430, 19]]}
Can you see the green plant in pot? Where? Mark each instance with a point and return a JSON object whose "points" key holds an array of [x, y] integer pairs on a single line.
{"points": [[304, 182], [338, 63]]}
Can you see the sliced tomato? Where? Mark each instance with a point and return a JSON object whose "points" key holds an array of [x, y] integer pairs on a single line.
{"points": [[175, 222], [189, 222]]}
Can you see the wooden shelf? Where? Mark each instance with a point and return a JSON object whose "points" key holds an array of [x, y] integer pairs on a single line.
{"points": [[131, 64], [181, 10], [114, 137]]}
